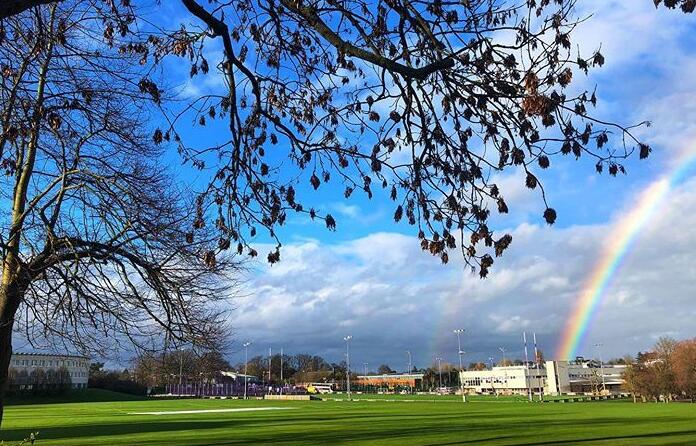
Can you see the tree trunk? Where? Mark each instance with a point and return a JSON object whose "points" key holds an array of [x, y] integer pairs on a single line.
{"points": [[5, 355], [10, 297], [15, 279]]}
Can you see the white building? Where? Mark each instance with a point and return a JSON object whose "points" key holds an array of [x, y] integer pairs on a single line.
{"points": [[504, 380], [583, 377], [24, 364], [553, 378], [240, 377]]}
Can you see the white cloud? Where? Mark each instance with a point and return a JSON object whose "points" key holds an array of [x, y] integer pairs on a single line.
{"points": [[392, 297], [346, 210], [649, 68]]}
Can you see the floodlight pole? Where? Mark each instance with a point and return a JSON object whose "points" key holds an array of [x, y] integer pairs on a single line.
{"points": [[601, 366], [536, 360], [246, 361], [526, 368], [281, 371], [459, 332], [270, 367], [181, 368], [347, 339], [410, 370], [439, 371], [502, 350]]}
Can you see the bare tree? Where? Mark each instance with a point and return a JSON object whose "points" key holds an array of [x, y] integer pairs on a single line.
{"points": [[666, 384], [655, 374], [95, 240], [688, 6], [684, 367], [630, 376], [384, 369], [162, 368], [426, 100]]}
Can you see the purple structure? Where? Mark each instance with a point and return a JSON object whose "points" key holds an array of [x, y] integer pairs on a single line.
{"points": [[229, 389]]}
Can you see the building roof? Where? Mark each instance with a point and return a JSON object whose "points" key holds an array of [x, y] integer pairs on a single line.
{"points": [[54, 355], [236, 375], [393, 376]]}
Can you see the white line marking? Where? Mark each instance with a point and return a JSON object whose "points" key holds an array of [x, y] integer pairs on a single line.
{"points": [[183, 412]]}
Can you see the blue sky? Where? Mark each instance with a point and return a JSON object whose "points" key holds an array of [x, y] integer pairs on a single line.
{"points": [[370, 279], [645, 50]]}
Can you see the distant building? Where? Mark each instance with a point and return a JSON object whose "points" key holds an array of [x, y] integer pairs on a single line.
{"points": [[504, 380], [239, 377], [582, 376], [391, 380], [553, 378], [25, 365]]}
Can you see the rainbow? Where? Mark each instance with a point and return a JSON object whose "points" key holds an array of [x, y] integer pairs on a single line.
{"points": [[619, 243]]}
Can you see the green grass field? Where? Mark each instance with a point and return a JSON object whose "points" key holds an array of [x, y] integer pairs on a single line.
{"points": [[426, 421]]}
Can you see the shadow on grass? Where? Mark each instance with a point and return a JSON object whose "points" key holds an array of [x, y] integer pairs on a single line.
{"points": [[75, 396], [245, 433], [661, 435], [328, 428]]}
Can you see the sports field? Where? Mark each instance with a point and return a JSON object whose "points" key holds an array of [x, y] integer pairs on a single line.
{"points": [[385, 421]]}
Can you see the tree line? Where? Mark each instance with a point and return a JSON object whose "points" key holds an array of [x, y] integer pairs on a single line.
{"points": [[40, 381], [665, 373], [188, 366]]}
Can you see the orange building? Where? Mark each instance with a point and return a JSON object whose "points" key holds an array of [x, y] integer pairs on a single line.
{"points": [[391, 380]]}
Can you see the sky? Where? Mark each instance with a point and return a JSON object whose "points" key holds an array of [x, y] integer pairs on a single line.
{"points": [[370, 279]]}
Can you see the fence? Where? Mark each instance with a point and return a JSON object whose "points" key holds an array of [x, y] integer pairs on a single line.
{"points": [[231, 389]]}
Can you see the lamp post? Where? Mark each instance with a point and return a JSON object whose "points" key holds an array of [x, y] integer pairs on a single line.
{"points": [[459, 332], [181, 367], [601, 366], [439, 371], [270, 367], [410, 369], [347, 339], [526, 368], [246, 361], [536, 360], [502, 350]]}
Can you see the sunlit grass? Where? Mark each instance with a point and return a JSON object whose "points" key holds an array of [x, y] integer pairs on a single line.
{"points": [[392, 422]]}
